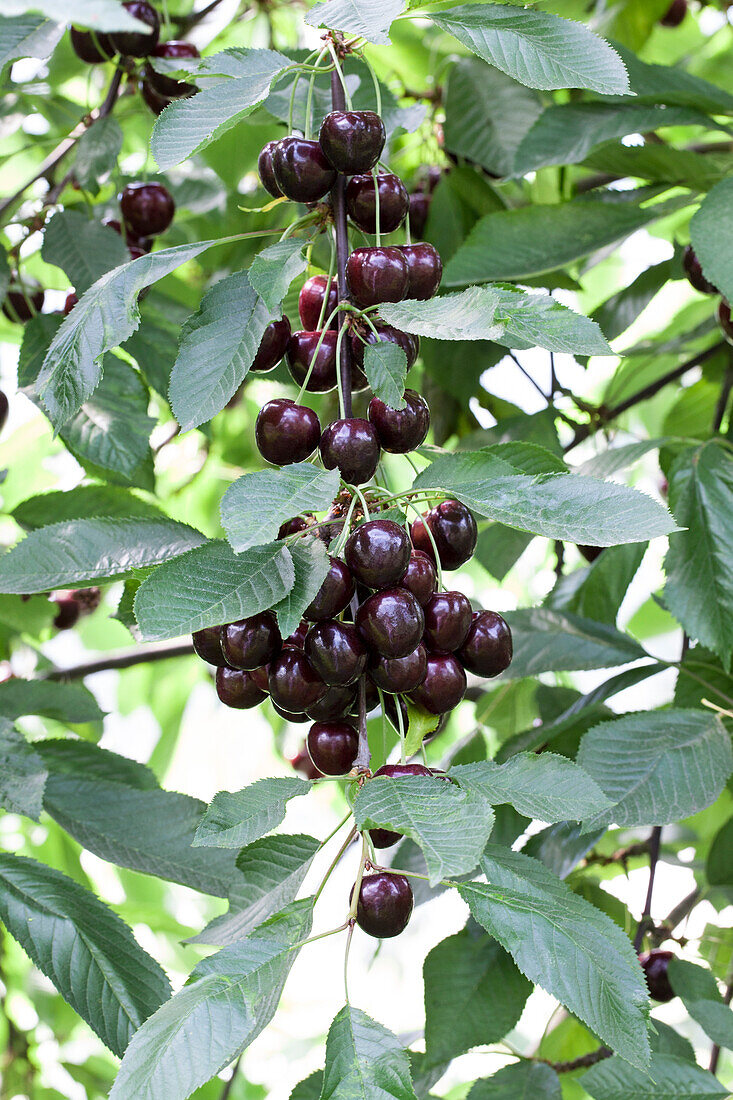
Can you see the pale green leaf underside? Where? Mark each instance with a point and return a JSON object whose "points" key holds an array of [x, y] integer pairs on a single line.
{"points": [[364, 1061], [548, 787], [237, 818], [255, 505], [667, 1078]]}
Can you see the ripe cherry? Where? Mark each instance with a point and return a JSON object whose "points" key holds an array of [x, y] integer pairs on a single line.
{"points": [[71, 301], [266, 170], [301, 170], [310, 302], [655, 965], [338, 702], [363, 335], [333, 746], [298, 718], [674, 14], [334, 594], [4, 409], [68, 611], [261, 676], [487, 649], [391, 622], [207, 644], [361, 202], [385, 838], [296, 640], [425, 270], [377, 275], [236, 688], [168, 86], [286, 432], [378, 553], [134, 43], [725, 321], [251, 642], [302, 763], [351, 446], [147, 208], [352, 140], [448, 618], [293, 682], [400, 675], [385, 905], [336, 652], [301, 349], [401, 430], [295, 525], [421, 577], [444, 685], [693, 271], [273, 345], [22, 304], [91, 47], [454, 531], [419, 210]]}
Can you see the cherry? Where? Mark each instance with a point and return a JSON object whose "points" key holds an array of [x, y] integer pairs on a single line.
{"points": [[725, 321], [487, 649], [400, 430], [156, 103], [251, 642], [302, 763], [22, 305], [361, 202], [352, 140], [377, 275], [67, 612], [400, 675], [290, 716], [168, 86], [294, 683], [590, 553], [301, 170], [71, 301], [92, 47], [147, 208], [295, 525], [336, 703], [425, 269], [421, 577], [261, 676], [448, 618], [236, 688], [352, 446], [334, 594], [444, 685], [674, 14], [385, 838], [333, 746], [134, 43], [363, 335], [273, 345], [431, 177], [385, 905], [286, 432], [301, 349], [391, 622], [336, 652], [296, 640], [378, 553], [310, 302], [419, 210], [207, 644], [266, 170], [454, 531], [4, 409], [693, 271], [655, 964]]}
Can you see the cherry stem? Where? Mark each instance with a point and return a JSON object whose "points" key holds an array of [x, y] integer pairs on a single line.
{"points": [[311, 88], [346, 960], [438, 567], [329, 280], [363, 755], [377, 208], [654, 845], [338, 199], [375, 82], [359, 877], [314, 356], [335, 862], [401, 725]]}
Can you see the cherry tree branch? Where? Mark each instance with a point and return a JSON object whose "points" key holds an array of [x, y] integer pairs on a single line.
{"points": [[584, 1062], [119, 659], [654, 844]]}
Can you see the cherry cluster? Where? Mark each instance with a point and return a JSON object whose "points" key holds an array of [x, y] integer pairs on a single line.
{"points": [[696, 278]]}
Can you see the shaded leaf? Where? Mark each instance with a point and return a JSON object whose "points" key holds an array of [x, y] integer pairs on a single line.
{"points": [[237, 818], [667, 1078], [702, 999], [708, 229], [82, 247], [364, 1061], [64, 702], [255, 505], [311, 564], [523, 1081], [549, 787], [274, 268], [22, 773]]}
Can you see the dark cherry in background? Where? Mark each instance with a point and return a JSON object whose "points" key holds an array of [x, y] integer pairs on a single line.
{"points": [[655, 964], [385, 905], [400, 675], [296, 640], [168, 86], [334, 594], [419, 210], [19, 306], [333, 746], [91, 48], [421, 577], [293, 682], [310, 302], [391, 622], [487, 650], [336, 652], [302, 763], [352, 140], [351, 446], [301, 170], [336, 703], [286, 432], [674, 14], [401, 430], [295, 525], [207, 644], [134, 43], [156, 103], [444, 685], [251, 642], [273, 345], [448, 618], [385, 838], [266, 170], [361, 202], [454, 531], [693, 270], [425, 270], [4, 409], [378, 553], [301, 349], [237, 689], [147, 208], [377, 275], [363, 335], [725, 321]]}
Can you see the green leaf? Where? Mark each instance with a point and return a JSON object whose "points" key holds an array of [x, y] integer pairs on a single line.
{"points": [[451, 826], [671, 84], [702, 999], [311, 564], [552, 641], [474, 994], [236, 818], [28, 36], [228, 1000], [537, 320], [565, 945], [619, 312], [686, 761], [310, 1088], [385, 365], [66, 756], [549, 787], [522, 1081], [420, 723], [88, 953], [598, 590], [22, 773], [254, 506], [272, 872], [364, 1061], [669, 1041], [668, 1078], [232, 83], [561, 847], [80, 503], [97, 151], [63, 702], [537, 49], [100, 15], [710, 226], [210, 586], [719, 865], [609, 462], [370, 19], [274, 268], [82, 247], [218, 346]]}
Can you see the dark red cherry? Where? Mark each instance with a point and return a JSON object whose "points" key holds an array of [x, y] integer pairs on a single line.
{"points": [[286, 432], [273, 345], [266, 170], [251, 642], [336, 652], [296, 640], [297, 717], [134, 43], [302, 763], [114, 224], [71, 301], [655, 966], [147, 208], [92, 47], [693, 271], [336, 703], [421, 577], [207, 644], [590, 553], [400, 675], [431, 177], [293, 682], [425, 270], [391, 622], [377, 553], [236, 688], [168, 86], [487, 650], [351, 447], [377, 275], [68, 611], [372, 696], [334, 594], [385, 838], [295, 525], [352, 140], [310, 302], [444, 685], [419, 210], [301, 349], [401, 430], [261, 676], [23, 304], [361, 202], [448, 618], [4, 409], [725, 321], [363, 335], [385, 905], [674, 14], [454, 531], [332, 746], [156, 103], [301, 170]]}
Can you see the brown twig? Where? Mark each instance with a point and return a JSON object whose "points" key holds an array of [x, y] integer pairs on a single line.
{"points": [[185, 23], [725, 389], [622, 855], [584, 1062], [229, 1085], [653, 844], [123, 658]]}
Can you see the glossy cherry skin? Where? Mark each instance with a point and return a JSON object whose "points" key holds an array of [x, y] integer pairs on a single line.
{"points": [[297, 718], [4, 409], [421, 577], [301, 349], [92, 48], [266, 170], [400, 675], [454, 531], [725, 321], [236, 688], [351, 446], [385, 838], [296, 640], [425, 269], [147, 208], [261, 677], [332, 746], [301, 170], [378, 553], [310, 302], [156, 103], [273, 345], [448, 617], [391, 622], [693, 271], [444, 685], [385, 905], [419, 210], [336, 652], [655, 964], [334, 595], [286, 432], [295, 525], [377, 275], [21, 307], [168, 86], [68, 612], [362, 335], [336, 703], [132, 43], [487, 649], [207, 645], [400, 430], [71, 301], [352, 140], [293, 682], [675, 14], [361, 202], [251, 642], [302, 763]]}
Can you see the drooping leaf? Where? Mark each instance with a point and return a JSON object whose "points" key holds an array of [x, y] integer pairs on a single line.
{"points": [[80, 503], [597, 591], [22, 773], [552, 641], [64, 702], [99, 15], [719, 865], [237, 818], [27, 36], [667, 1078], [560, 847], [517, 1082], [364, 1061], [702, 999], [82, 247], [615, 316], [708, 230], [385, 365], [97, 151], [547, 786], [311, 564], [255, 505], [370, 19], [274, 268]]}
